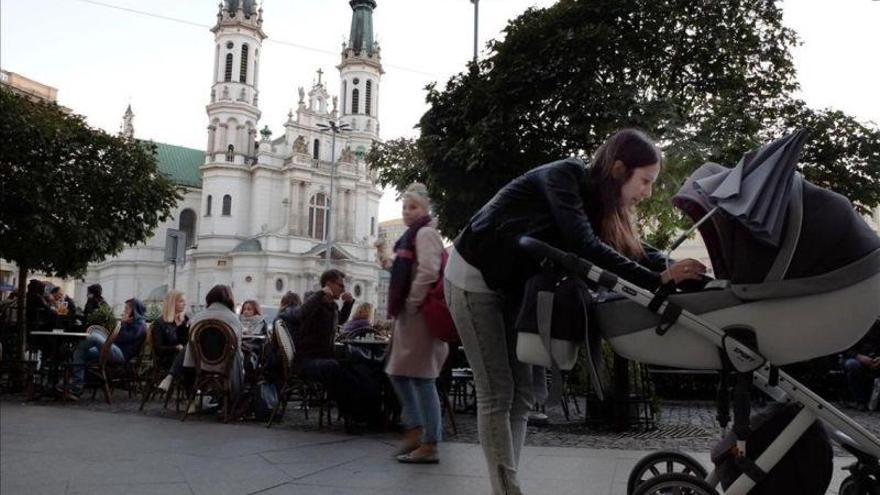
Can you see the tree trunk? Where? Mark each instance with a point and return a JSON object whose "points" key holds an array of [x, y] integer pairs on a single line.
{"points": [[22, 301]]}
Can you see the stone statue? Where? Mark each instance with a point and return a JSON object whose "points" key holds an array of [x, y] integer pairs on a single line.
{"points": [[299, 145], [347, 155], [225, 93], [335, 103], [213, 95], [302, 95], [230, 153]]}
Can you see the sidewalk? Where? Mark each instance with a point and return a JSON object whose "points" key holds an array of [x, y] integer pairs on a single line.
{"points": [[63, 450]]}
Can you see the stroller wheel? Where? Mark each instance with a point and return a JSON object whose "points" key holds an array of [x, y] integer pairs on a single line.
{"points": [[663, 462], [675, 484], [853, 485]]}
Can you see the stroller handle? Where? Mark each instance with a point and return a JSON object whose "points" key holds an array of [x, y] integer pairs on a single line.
{"points": [[569, 261]]}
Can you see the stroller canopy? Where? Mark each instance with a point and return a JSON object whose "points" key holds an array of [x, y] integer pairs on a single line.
{"points": [[822, 235]]}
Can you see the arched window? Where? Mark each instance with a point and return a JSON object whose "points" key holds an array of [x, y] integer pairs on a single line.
{"points": [[318, 216], [208, 206], [316, 150], [242, 74], [187, 225], [227, 205], [355, 100], [368, 98], [228, 74]]}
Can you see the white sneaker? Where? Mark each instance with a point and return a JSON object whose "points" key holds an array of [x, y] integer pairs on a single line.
{"points": [[538, 418], [165, 383]]}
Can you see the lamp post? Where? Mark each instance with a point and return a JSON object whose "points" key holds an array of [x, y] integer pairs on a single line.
{"points": [[335, 128], [476, 24]]}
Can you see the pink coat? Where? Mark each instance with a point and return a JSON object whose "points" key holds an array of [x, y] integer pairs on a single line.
{"points": [[414, 351]]}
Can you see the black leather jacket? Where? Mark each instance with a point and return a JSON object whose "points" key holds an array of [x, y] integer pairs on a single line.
{"points": [[548, 203]]}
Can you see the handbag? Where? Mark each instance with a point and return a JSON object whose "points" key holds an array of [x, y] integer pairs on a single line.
{"points": [[435, 311]]}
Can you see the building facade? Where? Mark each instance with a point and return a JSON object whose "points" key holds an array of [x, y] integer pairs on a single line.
{"points": [[257, 211]]}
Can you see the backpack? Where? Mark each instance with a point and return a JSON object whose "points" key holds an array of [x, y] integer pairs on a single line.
{"points": [[436, 312]]}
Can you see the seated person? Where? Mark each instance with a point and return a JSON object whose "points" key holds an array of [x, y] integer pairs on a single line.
{"points": [[314, 335], [170, 332], [65, 308], [94, 300], [219, 306], [862, 365], [288, 311], [39, 313], [362, 318], [252, 320], [132, 333]]}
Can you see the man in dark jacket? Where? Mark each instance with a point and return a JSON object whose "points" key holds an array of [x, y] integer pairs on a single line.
{"points": [[862, 365], [313, 337]]}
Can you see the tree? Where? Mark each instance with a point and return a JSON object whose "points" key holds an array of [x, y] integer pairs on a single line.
{"points": [[71, 195], [708, 80]]}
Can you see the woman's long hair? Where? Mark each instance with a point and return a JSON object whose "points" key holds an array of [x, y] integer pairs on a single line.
{"points": [[169, 309], [364, 311], [254, 304], [614, 220]]}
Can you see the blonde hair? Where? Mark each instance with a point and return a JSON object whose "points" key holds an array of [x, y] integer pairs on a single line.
{"points": [[364, 311], [419, 193], [169, 309]]}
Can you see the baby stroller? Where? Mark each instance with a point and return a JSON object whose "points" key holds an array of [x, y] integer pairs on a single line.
{"points": [[814, 292]]}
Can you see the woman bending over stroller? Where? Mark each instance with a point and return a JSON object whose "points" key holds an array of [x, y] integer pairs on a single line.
{"points": [[585, 210]]}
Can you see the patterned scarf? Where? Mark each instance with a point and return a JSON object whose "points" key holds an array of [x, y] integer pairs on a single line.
{"points": [[402, 269]]}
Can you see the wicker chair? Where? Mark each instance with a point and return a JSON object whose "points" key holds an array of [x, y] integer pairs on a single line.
{"points": [[213, 344]]}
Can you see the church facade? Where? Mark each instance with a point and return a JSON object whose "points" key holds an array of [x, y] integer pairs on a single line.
{"points": [[260, 214]]}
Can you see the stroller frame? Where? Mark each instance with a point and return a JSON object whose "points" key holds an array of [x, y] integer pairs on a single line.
{"points": [[777, 384]]}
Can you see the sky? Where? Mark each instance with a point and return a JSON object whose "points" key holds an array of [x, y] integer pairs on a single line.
{"points": [[157, 55]]}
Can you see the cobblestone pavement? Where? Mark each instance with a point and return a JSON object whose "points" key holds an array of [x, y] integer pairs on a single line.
{"points": [[684, 425]]}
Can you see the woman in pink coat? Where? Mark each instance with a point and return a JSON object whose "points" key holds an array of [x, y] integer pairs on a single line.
{"points": [[416, 356]]}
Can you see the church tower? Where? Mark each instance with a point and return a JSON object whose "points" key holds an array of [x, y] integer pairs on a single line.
{"points": [[360, 73], [127, 129], [233, 118]]}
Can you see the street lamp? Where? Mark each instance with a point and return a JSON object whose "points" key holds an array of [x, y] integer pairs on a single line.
{"points": [[335, 128], [476, 23]]}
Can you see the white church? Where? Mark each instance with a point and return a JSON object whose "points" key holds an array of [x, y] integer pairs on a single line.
{"points": [[255, 209]]}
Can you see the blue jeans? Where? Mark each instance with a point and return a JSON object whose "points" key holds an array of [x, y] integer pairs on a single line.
{"points": [[504, 385], [420, 405], [89, 351], [859, 380]]}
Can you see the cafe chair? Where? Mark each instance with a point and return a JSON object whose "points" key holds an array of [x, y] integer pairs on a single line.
{"points": [[213, 346]]}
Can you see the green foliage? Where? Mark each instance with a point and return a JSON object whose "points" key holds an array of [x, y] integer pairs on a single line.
{"points": [[154, 312], [103, 316], [708, 80], [71, 195]]}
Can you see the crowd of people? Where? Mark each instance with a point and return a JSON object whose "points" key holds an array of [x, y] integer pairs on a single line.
{"points": [[588, 210]]}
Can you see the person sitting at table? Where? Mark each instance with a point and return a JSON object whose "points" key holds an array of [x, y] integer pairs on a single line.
{"points": [[39, 313], [170, 332], [219, 306], [315, 333], [252, 320], [94, 300], [362, 318], [861, 365], [132, 333], [288, 311], [65, 308]]}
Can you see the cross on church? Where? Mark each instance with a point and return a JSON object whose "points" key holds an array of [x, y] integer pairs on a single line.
{"points": [[320, 73]]}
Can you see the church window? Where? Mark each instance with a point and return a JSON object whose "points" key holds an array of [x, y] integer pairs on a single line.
{"points": [[372, 225], [318, 216], [344, 95], [358, 291], [368, 95], [279, 284], [187, 225], [208, 206], [227, 205], [242, 75], [227, 76], [355, 101], [316, 150]]}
